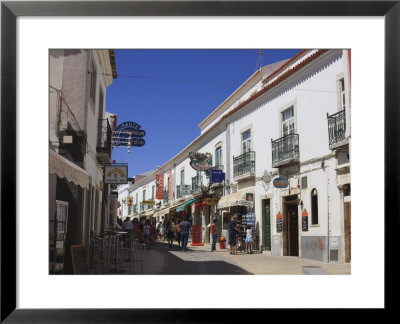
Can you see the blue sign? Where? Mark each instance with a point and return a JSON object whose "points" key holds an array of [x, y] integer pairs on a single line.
{"points": [[128, 134], [281, 182], [216, 176]]}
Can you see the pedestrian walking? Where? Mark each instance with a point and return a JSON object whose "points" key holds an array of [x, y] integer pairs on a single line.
{"points": [[146, 234], [178, 233], [233, 231], [214, 233], [249, 239], [171, 228], [127, 224], [185, 227]]}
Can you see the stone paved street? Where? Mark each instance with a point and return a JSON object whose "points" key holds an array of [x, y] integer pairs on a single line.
{"points": [[160, 259]]}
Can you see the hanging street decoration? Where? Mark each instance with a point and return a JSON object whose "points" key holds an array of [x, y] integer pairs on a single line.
{"points": [[128, 134]]}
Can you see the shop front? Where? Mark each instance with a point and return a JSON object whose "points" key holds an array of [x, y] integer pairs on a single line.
{"points": [[69, 185], [241, 204]]}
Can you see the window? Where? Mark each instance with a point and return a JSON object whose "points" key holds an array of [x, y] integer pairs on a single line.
{"points": [[342, 94], [288, 121], [246, 141], [153, 188], [314, 206], [92, 92], [218, 156], [182, 176]]}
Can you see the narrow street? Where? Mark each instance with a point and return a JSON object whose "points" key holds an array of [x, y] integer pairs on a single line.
{"points": [[160, 259]]}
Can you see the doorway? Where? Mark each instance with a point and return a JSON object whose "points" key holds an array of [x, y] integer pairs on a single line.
{"points": [[291, 227], [347, 231], [267, 223]]}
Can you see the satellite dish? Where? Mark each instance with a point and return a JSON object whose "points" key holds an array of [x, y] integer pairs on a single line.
{"points": [[267, 176]]}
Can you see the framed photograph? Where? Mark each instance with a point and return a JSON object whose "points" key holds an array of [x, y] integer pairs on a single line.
{"points": [[370, 27]]}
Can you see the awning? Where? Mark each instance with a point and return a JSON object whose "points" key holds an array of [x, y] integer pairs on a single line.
{"points": [[182, 207], [66, 169], [164, 211], [236, 199]]}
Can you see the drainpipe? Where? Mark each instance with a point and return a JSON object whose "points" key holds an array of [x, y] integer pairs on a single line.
{"points": [[328, 200]]}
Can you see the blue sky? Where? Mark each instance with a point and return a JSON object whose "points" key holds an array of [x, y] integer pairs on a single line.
{"points": [[169, 92]]}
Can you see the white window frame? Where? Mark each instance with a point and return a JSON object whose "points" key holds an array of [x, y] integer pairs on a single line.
{"points": [[182, 179], [341, 92], [249, 140], [219, 161]]}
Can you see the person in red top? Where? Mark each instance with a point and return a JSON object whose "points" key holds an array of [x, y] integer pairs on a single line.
{"points": [[214, 233]]}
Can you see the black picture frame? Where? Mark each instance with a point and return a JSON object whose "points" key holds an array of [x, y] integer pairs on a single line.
{"points": [[10, 10]]}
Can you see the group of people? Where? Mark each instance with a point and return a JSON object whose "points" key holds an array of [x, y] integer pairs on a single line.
{"points": [[143, 231], [172, 230], [148, 232], [234, 232]]}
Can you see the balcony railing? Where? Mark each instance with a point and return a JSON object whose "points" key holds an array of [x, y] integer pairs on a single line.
{"points": [[104, 138], [166, 197], [285, 150], [336, 127], [178, 191], [244, 164]]}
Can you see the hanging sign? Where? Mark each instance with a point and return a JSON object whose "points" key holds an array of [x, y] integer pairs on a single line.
{"points": [[200, 161], [279, 222], [128, 134], [210, 201], [130, 201], [281, 182], [159, 186], [304, 221], [249, 197], [116, 174], [217, 176]]}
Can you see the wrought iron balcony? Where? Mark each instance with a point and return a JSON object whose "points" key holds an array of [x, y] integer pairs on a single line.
{"points": [[166, 195], [244, 164], [104, 141], [336, 128], [285, 150], [178, 191]]}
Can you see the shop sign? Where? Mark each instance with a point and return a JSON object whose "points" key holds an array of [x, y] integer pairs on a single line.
{"points": [[200, 161], [249, 197], [159, 186], [279, 222], [304, 221], [130, 201], [149, 202], [197, 235], [128, 134], [211, 201], [116, 174], [217, 176], [281, 182], [185, 190]]}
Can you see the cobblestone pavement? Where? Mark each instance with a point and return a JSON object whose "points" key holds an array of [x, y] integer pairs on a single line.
{"points": [[161, 259]]}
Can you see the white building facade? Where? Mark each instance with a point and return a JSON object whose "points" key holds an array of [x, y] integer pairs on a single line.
{"points": [[283, 140], [79, 140]]}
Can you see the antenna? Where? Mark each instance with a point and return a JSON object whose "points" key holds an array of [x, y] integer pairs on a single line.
{"points": [[260, 54]]}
